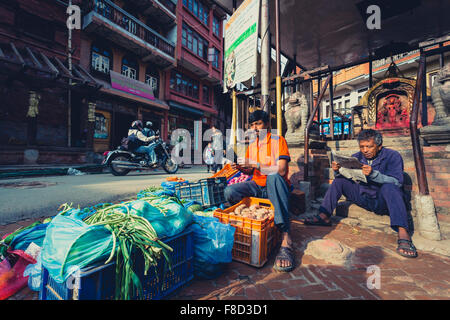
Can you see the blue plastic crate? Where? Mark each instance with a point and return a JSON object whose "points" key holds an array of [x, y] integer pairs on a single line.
{"points": [[209, 192], [98, 283]]}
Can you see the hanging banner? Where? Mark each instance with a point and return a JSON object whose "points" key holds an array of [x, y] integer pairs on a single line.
{"points": [[241, 44], [128, 85]]}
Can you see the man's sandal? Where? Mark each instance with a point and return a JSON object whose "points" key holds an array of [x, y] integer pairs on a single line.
{"points": [[286, 254], [406, 245], [316, 220]]}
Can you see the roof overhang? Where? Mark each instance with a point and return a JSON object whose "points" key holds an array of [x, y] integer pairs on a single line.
{"points": [[335, 33]]}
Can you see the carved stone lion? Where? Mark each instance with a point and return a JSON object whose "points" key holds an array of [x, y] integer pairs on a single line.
{"points": [[296, 116], [440, 93], [439, 131]]}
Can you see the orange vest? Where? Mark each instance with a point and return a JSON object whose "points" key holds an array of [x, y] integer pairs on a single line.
{"points": [[267, 152]]}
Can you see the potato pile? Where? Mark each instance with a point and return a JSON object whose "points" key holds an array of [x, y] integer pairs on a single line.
{"points": [[255, 211]]}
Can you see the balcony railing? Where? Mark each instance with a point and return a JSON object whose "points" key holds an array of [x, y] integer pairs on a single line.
{"points": [[126, 21]]}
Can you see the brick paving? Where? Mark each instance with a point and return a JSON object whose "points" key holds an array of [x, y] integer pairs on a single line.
{"points": [[426, 277]]}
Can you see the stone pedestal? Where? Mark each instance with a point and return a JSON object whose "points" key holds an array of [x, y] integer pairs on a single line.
{"points": [[437, 133], [295, 139]]}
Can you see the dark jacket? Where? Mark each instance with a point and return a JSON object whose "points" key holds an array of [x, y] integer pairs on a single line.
{"points": [[387, 168]]}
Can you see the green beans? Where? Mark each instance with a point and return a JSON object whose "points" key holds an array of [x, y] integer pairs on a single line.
{"points": [[131, 234]]}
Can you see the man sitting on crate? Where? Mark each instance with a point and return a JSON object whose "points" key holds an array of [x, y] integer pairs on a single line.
{"points": [[267, 161]]}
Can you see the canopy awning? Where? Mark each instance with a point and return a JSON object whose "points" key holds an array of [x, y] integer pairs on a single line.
{"points": [[335, 33], [29, 64]]}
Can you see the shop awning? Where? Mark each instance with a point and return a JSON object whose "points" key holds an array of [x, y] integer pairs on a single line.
{"points": [[183, 108], [335, 33], [108, 89], [32, 65]]}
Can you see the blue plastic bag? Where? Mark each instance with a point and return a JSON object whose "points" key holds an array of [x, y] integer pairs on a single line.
{"points": [[33, 272], [213, 240], [170, 185], [166, 216], [26, 237], [70, 245]]}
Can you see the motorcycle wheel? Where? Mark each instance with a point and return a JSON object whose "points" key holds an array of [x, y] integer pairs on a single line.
{"points": [[170, 166], [118, 171]]}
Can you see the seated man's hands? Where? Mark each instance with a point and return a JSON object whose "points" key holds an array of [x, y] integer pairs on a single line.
{"points": [[335, 166], [243, 166], [366, 169]]}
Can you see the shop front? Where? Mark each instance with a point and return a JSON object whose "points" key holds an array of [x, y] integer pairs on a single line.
{"points": [[120, 102]]}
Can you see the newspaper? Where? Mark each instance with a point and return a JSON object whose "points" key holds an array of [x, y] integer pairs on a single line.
{"points": [[350, 167]]}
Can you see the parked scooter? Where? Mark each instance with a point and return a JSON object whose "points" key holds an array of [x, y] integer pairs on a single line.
{"points": [[121, 161]]}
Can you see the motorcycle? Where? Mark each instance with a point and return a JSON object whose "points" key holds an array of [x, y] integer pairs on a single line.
{"points": [[121, 161]]}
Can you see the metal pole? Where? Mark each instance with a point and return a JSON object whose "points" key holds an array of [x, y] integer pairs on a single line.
{"points": [[308, 126], [370, 72], [69, 95], [319, 84], [233, 121], [417, 151], [424, 95], [278, 78], [331, 107], [233, 102], [265, 56]]}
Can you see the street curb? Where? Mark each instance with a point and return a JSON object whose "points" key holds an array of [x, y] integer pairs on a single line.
{"points": [[27, 172]]}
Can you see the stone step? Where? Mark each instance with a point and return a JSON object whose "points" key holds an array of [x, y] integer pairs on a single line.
{"points": [[349, 213]]}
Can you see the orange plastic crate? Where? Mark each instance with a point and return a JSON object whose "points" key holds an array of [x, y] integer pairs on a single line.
{"points": [[226, 172], [254, 240]]}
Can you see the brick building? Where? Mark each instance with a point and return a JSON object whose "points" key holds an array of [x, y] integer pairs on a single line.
{"points": [[127, 46], [36, 120], [131, 60], [193, 88]]}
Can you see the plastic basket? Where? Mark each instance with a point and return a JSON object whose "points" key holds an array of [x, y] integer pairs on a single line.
{"points": [[226, 172], [98, 283], [254, 240], [209, 192]]}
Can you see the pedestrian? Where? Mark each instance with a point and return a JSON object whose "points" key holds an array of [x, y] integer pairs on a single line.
{"points": [[381, 194], [266, 160], [217, 145], [209, 156]]}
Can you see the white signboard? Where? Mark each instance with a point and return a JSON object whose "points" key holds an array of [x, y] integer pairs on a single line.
{"points": [[241, 41]]}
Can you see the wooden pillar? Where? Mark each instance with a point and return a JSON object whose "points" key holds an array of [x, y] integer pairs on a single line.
{"points": [[90, 125]]}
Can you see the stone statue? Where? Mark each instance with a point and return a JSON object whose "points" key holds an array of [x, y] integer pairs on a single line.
{"points": [[439, 131], [296, 116], [440, 93]]}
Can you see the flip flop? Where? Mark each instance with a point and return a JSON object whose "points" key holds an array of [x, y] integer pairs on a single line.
{"points": [[406, 245], [318, 221], [285, 253]]}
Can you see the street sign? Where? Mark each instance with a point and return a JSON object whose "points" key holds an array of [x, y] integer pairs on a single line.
{"points": [[241, 43]]}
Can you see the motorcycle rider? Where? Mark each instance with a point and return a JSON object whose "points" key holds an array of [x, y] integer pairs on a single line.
{"points": [[148, 131], [137, 130]]}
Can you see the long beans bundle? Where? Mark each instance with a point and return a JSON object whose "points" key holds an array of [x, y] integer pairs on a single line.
{"points": [[130, 233]]}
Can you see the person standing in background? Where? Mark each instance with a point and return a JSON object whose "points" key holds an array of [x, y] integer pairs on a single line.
{"points": [[217, 146], [209, 157]]}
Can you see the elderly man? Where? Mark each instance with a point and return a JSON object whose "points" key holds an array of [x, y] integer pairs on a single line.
{"points": [[267, 161], [382, 193]]}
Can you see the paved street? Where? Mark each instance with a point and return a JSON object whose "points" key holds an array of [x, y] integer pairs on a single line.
{"points": [[424, 278], [41, 196], [314, 278]]}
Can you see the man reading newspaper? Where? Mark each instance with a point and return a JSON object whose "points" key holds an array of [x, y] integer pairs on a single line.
{"points": [[381, 192]]}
